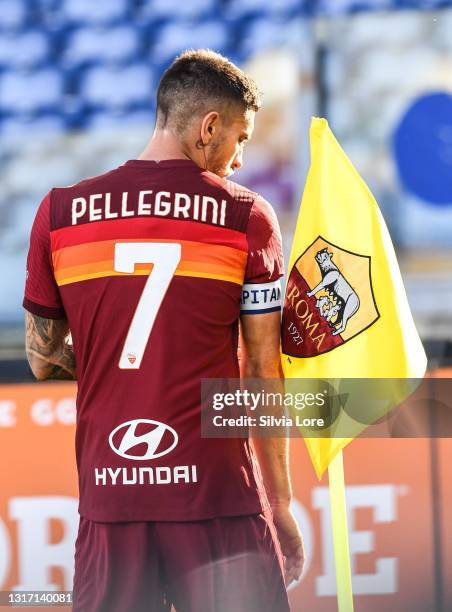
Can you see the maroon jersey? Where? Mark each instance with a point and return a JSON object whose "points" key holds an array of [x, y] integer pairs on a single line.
{"points": [[151, 264]]}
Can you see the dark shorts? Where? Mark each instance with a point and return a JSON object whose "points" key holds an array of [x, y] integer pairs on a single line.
{"points": [[231, 564]]}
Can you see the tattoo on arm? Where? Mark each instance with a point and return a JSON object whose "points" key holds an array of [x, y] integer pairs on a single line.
{"points": [[48, 351]]}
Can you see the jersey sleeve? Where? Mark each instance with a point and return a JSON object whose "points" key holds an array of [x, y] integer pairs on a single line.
{"points": [[42, 296], [261, 292]]}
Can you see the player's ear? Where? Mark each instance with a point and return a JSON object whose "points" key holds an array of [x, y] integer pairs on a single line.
{"points": [[209, 126]]}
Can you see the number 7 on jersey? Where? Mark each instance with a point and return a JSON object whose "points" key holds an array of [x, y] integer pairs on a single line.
{"points": [[165, 257]]}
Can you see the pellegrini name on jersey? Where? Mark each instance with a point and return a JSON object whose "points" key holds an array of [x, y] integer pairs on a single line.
{"points": [[102, 206]]}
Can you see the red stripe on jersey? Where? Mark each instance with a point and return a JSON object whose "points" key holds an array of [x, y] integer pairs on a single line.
{"points": [[143, 227]]}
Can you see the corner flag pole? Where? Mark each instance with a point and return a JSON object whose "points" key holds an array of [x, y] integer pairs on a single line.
{"points": [[340, 534], [334, 195]]}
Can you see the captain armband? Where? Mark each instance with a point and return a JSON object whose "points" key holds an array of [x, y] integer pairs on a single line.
{"points": [[260, 298]]}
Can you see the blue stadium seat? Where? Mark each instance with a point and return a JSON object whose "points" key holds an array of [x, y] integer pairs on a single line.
{"points": [[141, 116], [13, 14], [17, 223], [237, 9], [94, 12], [175, 9], [178, 36], [341, 7], [108, 86], [31, 91], [47, 5], [23, 49], [18, 126], [262, 33], [93, 45]]}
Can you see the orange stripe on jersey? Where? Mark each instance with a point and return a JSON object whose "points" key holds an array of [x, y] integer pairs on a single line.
{"points": [[141, 227], [104, 250], [192, 273], [95, 260]]}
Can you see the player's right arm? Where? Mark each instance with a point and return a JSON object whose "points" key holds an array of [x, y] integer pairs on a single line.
{"points": [[46, 328], [48, 351]]}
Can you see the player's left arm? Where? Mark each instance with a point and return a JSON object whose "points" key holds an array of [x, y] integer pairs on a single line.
{"points": [[48, 351], [260, 317]]}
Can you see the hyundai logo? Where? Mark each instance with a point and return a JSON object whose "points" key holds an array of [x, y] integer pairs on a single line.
{"points": [[124, 438]]}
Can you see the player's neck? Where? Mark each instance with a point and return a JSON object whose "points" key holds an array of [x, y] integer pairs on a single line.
{"points": [[164, 145]]}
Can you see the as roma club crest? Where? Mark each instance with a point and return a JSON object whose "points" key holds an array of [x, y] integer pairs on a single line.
{"points": [[329, 300]]}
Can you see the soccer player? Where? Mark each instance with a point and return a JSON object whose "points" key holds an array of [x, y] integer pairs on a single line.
{"points": [[148, 266]]}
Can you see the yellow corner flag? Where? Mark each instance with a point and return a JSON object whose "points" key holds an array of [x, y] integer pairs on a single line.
{"points": [[346, 314]]}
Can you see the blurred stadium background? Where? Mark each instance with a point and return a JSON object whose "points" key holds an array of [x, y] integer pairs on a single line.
{"points": [[77, 97]]}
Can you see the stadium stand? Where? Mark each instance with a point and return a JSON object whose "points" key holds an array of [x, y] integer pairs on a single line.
{"points": [[61, 60]]}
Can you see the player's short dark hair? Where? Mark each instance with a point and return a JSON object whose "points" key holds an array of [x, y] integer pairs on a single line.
{"points": [[199, 81]]}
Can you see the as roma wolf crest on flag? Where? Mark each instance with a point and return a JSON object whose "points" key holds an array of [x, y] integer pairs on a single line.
{"points": [[329, 300]]}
